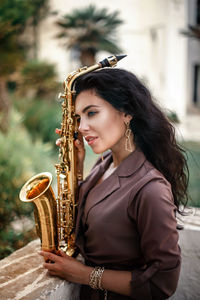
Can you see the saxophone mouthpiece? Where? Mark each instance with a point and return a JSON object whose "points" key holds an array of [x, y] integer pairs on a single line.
{"points": [[119, 57], [111, 61]]}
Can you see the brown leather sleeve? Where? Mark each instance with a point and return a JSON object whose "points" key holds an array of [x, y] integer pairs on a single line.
{"points": [[154, 212]]}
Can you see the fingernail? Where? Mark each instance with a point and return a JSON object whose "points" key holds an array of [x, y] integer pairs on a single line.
{"points": [[78, 142], [57, 130], [58, 142]]}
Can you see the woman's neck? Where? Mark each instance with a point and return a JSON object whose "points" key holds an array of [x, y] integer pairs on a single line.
{"points": [[119, 156]]}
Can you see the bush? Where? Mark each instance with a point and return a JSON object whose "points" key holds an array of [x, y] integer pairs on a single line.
{"points": [[40, 118], [34, 97], [20, 159], [193, 155], [38, 79]]}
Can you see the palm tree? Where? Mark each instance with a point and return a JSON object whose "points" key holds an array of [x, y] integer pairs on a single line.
{"points": [[89, 31], [40, 10]]}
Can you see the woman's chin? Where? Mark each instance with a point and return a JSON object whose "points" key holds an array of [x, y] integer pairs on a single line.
{"points": [[99, 151]]}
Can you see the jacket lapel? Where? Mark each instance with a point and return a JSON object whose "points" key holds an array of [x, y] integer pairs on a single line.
{"points": [[85, 188], [101, 191]]}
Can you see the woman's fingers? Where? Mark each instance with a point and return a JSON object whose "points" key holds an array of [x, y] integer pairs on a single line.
{"points": [[79, 144], [62, 253], [58, 142], [48, 256], [52, 273], [58, 131]]}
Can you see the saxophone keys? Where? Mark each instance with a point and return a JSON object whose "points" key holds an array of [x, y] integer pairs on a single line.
{"points": [[61, 96], [62, 176]]}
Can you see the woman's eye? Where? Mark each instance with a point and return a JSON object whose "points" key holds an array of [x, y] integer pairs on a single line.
{"points": [[91, 113]]}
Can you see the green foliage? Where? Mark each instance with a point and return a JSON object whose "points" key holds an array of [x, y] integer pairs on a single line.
{"points": [[12, 23], [193, 154], [20, 159], [41, 113], [12, 14], [90, 29], [12, 240], [14, 17], [90, 160], [39, 10], [40, 118], [38, 79]]}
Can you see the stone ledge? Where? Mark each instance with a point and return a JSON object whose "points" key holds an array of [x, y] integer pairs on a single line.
{"points": [[23, 278], [191, 220]]}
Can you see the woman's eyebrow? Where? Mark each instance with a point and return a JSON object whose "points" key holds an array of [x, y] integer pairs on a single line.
{"points": [[88, 107]]}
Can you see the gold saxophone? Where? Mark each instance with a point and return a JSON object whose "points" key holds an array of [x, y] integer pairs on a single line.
{"points": [[55, 217]]}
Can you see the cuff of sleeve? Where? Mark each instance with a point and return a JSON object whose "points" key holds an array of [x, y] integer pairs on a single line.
{"points": [[141, 292], [141, 284]]}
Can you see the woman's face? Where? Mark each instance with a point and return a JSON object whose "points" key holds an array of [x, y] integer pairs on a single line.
{"points": [[102, 126]]}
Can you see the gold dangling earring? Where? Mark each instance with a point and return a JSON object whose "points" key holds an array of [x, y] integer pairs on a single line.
{"points": [[128, 146], [102, 158]]}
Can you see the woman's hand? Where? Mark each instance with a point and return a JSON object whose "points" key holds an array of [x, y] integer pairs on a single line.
{"points": [[66, 267], [80, 149], [70, 269]]}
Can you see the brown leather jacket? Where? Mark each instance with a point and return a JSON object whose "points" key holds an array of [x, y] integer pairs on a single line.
{"points": [[128, 222]]}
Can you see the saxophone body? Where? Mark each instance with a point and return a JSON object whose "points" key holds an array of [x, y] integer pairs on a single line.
{"points": [[55, 217]]}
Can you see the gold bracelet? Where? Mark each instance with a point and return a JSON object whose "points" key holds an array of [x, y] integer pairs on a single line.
{"points": [[95, 278]]}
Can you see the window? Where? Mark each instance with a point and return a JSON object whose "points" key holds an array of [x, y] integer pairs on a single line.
{"points": [[198, 12], [196, 94]]}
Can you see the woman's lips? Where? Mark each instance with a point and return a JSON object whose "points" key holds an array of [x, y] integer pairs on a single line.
{"points": [[90, 139]]}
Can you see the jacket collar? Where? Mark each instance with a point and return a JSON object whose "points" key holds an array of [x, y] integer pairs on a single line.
{"points": [[131, 163], [127, 167]]}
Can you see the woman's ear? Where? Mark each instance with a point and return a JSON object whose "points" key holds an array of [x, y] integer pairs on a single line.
{"points": [[127, 118]]}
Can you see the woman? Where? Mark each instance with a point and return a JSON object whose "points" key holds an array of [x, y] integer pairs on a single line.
{"points": [[126, 225]]}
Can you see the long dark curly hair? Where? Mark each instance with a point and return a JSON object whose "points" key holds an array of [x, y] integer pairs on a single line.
{"points": [[153, 133]]}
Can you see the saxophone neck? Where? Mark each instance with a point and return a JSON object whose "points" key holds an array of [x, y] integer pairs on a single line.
{"points": [[110, 61]]}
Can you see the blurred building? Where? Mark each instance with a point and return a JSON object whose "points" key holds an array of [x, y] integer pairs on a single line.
{"points": [[166, 60]]}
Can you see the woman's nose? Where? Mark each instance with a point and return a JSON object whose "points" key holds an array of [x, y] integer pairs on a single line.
{"points": [[83, 126]]}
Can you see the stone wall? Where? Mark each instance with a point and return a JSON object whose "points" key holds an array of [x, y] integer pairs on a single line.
{"points": [[23, 278]]}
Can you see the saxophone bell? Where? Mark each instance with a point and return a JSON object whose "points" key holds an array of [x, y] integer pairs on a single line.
{"points": [[38, 191]]}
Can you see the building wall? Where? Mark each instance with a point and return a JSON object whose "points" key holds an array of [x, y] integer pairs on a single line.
{"points": [[150, 36], [193, 55]]}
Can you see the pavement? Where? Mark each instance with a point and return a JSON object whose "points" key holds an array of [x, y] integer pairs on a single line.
{"points": [[191, 218]]}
